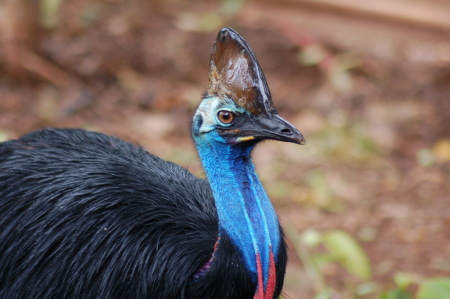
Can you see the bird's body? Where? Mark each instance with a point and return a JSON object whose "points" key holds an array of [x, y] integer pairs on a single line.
{"points": [[85, 215], [97, 199]]}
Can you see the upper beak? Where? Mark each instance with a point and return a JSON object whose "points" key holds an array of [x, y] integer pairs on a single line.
{"points": [[273, 127]]}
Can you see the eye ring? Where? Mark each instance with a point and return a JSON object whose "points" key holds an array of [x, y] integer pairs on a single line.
{"points": [[226, 117]]}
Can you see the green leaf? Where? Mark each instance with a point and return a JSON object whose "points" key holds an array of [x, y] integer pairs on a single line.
{"points": [[436, 288], [325, 294], [396, 294], [311, 238], [365, 288], [322, 260], [403, 279], [49, 13], [348, 253]]}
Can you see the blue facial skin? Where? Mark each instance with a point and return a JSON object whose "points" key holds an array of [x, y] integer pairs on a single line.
{"points": [[244, 209]]}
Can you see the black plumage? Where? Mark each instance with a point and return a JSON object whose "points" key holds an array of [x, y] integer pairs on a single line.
{"points": [[85, 215]]}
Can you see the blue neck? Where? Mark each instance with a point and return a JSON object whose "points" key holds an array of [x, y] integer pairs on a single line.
{"points": [[244, 209]]}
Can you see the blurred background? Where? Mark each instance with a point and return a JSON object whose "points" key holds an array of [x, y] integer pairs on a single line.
{"points": [[365, 203]]}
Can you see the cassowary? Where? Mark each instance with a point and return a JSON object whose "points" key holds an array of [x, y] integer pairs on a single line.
{"points": [[85, 215]]}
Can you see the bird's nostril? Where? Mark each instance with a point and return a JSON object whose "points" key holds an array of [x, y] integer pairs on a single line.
{"points": [[286, 131]]}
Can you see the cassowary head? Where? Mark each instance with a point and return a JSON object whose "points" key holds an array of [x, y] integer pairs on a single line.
{"points": [[237, 106]]}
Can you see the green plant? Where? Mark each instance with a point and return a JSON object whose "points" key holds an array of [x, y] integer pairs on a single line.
{"points": [[341, 248]]}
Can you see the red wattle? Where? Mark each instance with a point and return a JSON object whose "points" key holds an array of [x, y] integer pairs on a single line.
{"points": [[271, 280], [260, 288]]}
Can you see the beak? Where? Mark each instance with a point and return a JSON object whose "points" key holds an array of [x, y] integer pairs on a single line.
{"points": [[262, 127]]}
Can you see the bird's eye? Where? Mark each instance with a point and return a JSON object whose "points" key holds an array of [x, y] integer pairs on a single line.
{"points": [[225, 117]]}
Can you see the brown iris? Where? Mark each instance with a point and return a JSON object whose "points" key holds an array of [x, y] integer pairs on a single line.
{"points": [[225, 117]]}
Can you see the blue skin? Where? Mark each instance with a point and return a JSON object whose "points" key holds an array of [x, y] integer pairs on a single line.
{"points": [[244, 209]]}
